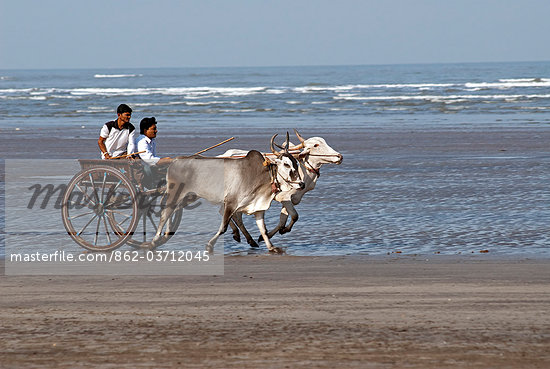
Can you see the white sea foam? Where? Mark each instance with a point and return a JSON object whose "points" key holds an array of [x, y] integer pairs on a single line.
{"points": [[15, 90], [236, 110], [443, 97], [505, 84], [394, 109], [413, 85], [168, 103], [110, 91], [535, 107], [514, 80], [276, 91], [196, 96], [502, 83], [206, 103], [117, 75], [42, 91], [348, 91], [189, 92], [100, 108], [341, 109], [310, 89]]}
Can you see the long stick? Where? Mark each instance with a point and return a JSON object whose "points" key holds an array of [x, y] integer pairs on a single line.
{"points": [[211, 147], [125, 155]]}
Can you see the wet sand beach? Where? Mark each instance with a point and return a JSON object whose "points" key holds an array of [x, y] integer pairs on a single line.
{"points": [[287, 312], [454, 190]]}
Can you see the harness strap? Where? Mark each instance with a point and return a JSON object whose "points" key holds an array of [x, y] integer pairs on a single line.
{"points": [[275, 186], [272, 167], [317, 172], [308, 166]]}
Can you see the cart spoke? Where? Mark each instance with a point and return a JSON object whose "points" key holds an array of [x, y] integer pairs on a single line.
{"points": [[85, 193], [113, 200], [81, 215], [87, 224], [103, 185], [107, 230], [144, 228], [120, 213], [117, 185], [97, 231], [93, 186], [152, 221], [124, 221]]}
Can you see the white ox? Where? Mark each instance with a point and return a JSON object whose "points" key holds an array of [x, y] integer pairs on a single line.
{"points": [[239, 185], [314, 153]]}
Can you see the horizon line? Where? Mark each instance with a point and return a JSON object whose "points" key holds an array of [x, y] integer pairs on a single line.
{"points": [[278, 66]]}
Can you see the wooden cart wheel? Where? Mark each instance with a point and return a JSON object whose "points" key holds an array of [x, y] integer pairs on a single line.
{"points": [[150, 207], [99, 209]]}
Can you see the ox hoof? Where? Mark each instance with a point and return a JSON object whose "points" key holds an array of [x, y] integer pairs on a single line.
{"points": [[284, 230], [260, 239], [237, 237], [210, 249], [147, 246], [154, 243], [253, 243], [276, 250]]}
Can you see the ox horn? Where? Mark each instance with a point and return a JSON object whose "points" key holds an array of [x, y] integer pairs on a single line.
{"points": [[299, 136], [301, 145], [272, 144], [287, 142], [279, 146]]}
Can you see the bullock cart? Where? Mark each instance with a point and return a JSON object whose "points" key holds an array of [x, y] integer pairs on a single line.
{"points": [[110, 203]]}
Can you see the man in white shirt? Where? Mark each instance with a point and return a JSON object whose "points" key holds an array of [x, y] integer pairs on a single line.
{"points": [[118, 137], [147, 142]]}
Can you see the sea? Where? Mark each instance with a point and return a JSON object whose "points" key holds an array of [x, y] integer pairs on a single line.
{"points": [[423, 173]]}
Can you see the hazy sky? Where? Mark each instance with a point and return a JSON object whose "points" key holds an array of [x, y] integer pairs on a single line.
{"points": [[182, 33]]}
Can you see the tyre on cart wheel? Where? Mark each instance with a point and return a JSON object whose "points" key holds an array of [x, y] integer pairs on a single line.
{"points": [[99, 209]]}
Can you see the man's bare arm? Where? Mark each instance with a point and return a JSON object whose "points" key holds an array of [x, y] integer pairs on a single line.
{"points": [[102, 147]]}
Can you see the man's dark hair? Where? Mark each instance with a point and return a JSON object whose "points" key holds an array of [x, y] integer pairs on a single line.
{"points": [[145, 124], [123, 108]]}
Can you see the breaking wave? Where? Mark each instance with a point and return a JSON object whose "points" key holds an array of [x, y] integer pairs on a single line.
{"points": [[267, 95], [117, 75]]}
